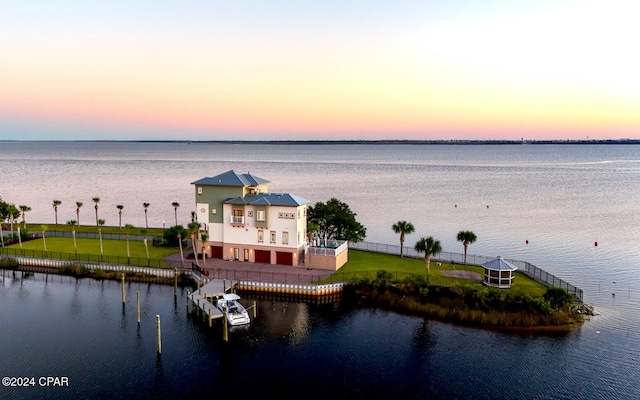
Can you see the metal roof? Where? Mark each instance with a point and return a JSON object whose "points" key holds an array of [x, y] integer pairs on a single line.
{"points": [[269, 199], [231, 178], [499, 264]]}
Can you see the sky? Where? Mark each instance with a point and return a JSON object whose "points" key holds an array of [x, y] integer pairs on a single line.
{"points": [[319, 70]]}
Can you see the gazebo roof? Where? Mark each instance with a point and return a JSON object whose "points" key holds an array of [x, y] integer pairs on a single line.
{"points": [[499, 264]]}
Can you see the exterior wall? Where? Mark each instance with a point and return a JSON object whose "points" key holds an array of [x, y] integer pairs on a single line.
{"points": [[332, 263], [243, 236], [248, 232], [213, 196]]}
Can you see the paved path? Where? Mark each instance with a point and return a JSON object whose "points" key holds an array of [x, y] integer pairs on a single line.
{"points": [[241, 270]]}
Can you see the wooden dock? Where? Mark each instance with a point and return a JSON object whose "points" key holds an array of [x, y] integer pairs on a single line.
{"points": [[202, 298]]}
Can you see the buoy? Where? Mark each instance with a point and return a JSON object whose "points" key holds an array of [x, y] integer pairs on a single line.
{"points": [[595, 244], [527, 241], [487, 206], [456, 206]]}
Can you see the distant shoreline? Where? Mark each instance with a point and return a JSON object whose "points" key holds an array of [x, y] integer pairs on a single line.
{"points": [[360, 142]]}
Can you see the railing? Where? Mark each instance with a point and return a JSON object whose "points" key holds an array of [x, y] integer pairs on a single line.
{"points": [[57, 263], [328, 251], [237, 220], [90, 258], [262, 276], [537, 274]]}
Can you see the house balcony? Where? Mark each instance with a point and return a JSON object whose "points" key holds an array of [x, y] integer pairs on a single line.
{"points": [[237, 220]]}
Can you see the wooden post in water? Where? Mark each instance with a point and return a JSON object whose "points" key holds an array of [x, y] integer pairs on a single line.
{"points": [[124, 297], [255, 309], [175, 281], [225, 329], [209, 313], [188, 299], [138, 297], [159, 337]]}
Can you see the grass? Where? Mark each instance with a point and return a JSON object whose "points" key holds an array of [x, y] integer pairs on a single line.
{"points": [[365, 264], [91, 247], [37, 228]]}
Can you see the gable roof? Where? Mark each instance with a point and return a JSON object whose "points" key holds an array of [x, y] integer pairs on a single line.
{"points": [[231, 178], [269, 199]]}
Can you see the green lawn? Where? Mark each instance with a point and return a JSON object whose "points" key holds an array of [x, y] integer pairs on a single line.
{"points": [[37, 228], [89, 249], [366, 264]]}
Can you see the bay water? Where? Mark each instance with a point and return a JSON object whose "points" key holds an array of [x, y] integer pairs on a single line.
{"points": [[546, 204]]}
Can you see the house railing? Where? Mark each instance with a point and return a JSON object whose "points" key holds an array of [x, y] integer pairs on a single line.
{"points": [[237, 220], [330, 250]]}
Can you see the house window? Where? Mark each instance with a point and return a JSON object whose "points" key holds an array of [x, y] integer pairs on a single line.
{"points": [[260, 216], [260, 236], [285, 237], [298, 237], [273, 237], [237, 217], [199, 190], [298, 214]]}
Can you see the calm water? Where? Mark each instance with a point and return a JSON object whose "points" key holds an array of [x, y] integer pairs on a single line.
{"points": [[561, 198], [78, 329]]}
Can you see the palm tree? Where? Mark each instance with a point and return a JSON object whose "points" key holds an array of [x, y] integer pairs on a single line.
{"points": [[119, 207], [430, 247], [23, 211], [181, 252], [403, 228], [194, 228], [1, 234], [466, 237], [73, 223], [44, 240], [127, 230], [96, 200], [204, 237], [175, 205], [146, 206], [56, 203], [13, 214], [100, 224], [144, 240], [78, 205]]}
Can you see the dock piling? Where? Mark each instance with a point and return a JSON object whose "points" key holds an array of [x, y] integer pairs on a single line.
{"points": [[138, 298], [225, 328], [159, 337], [124, 297]]}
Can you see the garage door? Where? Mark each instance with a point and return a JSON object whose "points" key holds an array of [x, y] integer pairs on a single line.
{"points": [[216, 251], [263, 256], [283, 258]]}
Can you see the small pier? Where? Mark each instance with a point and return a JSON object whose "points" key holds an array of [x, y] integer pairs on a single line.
{"points": [[203, 297]]}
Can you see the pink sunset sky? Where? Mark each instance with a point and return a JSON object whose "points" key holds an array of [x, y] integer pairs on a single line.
{"points": [[360, 69]]}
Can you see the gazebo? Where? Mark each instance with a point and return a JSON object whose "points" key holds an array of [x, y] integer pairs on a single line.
{"points": [[499, 273]]}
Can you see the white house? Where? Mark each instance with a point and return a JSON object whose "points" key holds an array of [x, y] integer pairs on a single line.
{"points": [[247, 223]]}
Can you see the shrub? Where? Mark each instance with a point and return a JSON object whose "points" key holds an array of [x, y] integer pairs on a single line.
{"points": [[170, 236], [382, 280], [543, 305], [557, 297]]}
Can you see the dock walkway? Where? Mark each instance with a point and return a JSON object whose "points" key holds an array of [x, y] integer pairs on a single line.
{"points": [[202, 298]]}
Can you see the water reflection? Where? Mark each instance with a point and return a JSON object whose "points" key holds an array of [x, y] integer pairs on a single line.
{"points": [[81, 329]]}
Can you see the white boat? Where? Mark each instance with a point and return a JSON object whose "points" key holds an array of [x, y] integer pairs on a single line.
{"points": [[236, 313]]}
